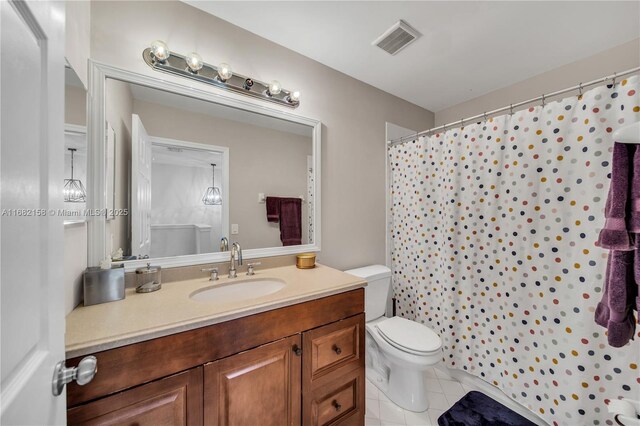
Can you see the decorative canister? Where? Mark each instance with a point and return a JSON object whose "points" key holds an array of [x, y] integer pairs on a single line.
{"points": [[103, 285], [306, 261], [148, 279]]}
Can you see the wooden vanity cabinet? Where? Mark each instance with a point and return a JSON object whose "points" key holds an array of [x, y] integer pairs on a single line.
{"points": [[298, 365]]}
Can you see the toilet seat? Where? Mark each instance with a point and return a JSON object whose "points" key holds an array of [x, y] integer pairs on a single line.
{"points": [[409, 336]]}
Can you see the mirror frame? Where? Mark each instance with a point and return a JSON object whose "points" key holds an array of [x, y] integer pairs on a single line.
{"points": [[96, 166]]}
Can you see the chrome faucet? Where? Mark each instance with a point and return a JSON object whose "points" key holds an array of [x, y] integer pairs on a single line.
{"points": [[236, 256], [224, 244]]}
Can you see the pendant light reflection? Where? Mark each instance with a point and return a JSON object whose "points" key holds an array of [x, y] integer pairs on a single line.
{"points": [[73, 188], [212, 197]]}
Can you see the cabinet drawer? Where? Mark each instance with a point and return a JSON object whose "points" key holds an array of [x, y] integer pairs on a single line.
{"points": [[339, 399], [333, 346]]}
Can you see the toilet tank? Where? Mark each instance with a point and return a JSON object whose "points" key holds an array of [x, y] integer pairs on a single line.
{"points": [[376, 293]]}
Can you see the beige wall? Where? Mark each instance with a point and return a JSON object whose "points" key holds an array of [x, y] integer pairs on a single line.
{"points": [[75, 262], [78, 36], [75, 105], [617, 59], [260, 161], [353, 113], [118, 110]]}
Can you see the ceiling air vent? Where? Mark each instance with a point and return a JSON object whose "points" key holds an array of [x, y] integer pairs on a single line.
{"points": [[396, 38]]}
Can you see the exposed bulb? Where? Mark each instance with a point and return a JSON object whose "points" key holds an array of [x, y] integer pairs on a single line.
{"points": [[194, 62], [160, 50], [274, 87], [294, 96], [224, 71]]}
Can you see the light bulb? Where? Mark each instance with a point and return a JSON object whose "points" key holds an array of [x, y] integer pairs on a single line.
{"points": [[160, 50], [274, 87], [224, 71], [194, 61], [294, 96]]}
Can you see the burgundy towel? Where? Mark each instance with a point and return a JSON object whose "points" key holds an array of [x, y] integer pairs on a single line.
{"points": [[633, 223], [615, 310], [615, 234], [290, 221], [273, 209]]}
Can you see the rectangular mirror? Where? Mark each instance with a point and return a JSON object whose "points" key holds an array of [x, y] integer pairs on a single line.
{"points": [[183, 173]]}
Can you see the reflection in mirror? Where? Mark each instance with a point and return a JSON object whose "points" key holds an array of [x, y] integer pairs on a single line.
{"points": [[75, 147], [166, 145]]}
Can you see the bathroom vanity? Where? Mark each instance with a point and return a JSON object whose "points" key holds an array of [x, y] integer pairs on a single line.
{"points": [[295, 356]]}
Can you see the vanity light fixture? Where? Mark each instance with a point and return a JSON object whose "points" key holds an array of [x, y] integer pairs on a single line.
{"points": [[224, 72], [274, 88], [212, 197], [160, 58], [294, 96], [160, 51], [194, 62], [73, 188]]}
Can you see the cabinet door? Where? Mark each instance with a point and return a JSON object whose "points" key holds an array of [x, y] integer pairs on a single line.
{"points": [[176, 400], [258, 387]]}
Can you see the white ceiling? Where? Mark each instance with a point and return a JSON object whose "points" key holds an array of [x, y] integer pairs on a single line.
{"points": [[467, 49], [186, 157]]}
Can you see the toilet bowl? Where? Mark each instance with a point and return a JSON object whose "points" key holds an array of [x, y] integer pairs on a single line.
{"points": [[398, 350]]}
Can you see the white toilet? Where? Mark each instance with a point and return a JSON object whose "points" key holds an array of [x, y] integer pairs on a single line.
{"points": [[398, 350]]}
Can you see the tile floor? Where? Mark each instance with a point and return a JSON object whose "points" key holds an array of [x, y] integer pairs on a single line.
{"points": [[443, 392]]}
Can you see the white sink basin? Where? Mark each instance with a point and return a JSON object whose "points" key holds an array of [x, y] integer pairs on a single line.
{"points": [[238, 291]]}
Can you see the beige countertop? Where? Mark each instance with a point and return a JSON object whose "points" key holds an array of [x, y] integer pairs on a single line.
{"points": [[145, 316]]}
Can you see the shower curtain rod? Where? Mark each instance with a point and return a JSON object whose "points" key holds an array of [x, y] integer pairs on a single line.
{"points": [[511, 107]]}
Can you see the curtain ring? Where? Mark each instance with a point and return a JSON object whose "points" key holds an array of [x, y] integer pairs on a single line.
{"points": [[485, 116], [615, 74], [444, 127], [543, 101], [510, 109], [461, 123], [580, 89]]}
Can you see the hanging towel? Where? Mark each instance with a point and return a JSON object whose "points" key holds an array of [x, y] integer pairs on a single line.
{"points": [[273, 209], [619, 299], [633, 224], [619, 235], [290, 221], [615, 235]]}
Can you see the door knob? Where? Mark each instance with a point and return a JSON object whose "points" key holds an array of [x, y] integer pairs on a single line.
{"points": [[337, 349], [82, 374], [336, 405], [297, 350]]}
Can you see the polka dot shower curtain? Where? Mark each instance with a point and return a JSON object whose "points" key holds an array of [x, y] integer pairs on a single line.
{"points": [[494, 228]]}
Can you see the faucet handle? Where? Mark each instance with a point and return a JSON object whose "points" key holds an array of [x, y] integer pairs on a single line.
{"points": [[250, 266], [214, 273]]}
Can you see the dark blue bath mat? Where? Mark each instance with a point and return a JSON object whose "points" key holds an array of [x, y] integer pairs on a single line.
{"points": [[477, 409]]}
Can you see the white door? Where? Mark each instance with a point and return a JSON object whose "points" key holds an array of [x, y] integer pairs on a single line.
{"points": [[140, 189], [31, 183]]}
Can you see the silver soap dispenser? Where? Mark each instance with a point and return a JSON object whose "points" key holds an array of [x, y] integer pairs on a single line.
{"points": [[148, 279]]}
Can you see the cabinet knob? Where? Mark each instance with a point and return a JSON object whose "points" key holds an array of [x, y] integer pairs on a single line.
{"points": [[297, 350], [337, 349], [336, 405]]}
